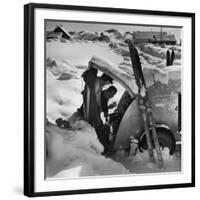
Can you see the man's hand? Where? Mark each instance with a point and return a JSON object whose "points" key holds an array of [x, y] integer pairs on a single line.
{"points": [[112, 105]]}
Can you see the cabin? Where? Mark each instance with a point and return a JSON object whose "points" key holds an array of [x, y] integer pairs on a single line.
{"points": [[153, 37], [58, 33]]}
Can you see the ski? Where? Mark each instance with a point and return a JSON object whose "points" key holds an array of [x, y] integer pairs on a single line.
{"points": [[144, 106]]}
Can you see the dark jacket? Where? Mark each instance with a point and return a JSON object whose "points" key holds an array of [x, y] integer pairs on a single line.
{"points": [[104, 104]]}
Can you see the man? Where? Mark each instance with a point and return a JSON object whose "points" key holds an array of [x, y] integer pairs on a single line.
{"points": [[100, 82], [91, 97], [103, 130], [105, 96]]}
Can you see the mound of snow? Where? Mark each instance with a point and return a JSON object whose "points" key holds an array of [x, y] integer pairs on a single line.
{"points": [[91, 36], [150, 59], [63, 97], [77, 152], [87, 36], [66, 76], [163, 81], [153, 50], [114, 33], [79, 54], [120, 50], [58, 67], [158, 51], [153, 74], [140, 163]]}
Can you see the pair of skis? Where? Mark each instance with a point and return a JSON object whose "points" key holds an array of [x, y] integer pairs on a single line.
{"points": [[170, 58], [144, 106]]}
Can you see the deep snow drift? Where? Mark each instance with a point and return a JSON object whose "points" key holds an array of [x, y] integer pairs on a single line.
{"points": [[79, 54], [77, 152]]}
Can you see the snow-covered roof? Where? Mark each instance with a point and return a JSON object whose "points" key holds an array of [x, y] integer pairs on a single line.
{"points": [[60, 28], [54, 34], [126, 80]]}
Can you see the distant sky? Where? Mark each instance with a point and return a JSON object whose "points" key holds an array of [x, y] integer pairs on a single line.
{"points": [[97, 27]]}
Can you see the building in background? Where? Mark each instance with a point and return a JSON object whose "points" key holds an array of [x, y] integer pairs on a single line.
{"points": [[154, 37], [58, 33]]}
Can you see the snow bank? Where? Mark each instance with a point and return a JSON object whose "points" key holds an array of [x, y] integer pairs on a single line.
{"points": [[152, 60], [85, 35], [141, 163], [63, 96], [114, 35], [165, 76], [66, 76], [158, 51], [77, 152], [79, 54], [58, 67]]}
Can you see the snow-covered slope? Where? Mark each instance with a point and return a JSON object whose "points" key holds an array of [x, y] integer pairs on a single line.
{"points": [[79, 53], [77, 152], [63, 96], [160, 52], [58, 67]]}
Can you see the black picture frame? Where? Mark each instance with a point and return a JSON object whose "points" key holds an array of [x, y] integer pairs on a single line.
{"points": [[29, 95]]}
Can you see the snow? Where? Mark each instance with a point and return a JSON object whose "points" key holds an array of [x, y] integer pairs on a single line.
{"points": [[159, 51], [77, 152], [140, 162], [153, 74], [57, 67], [71, 52], [149, 59], [63, 97]]}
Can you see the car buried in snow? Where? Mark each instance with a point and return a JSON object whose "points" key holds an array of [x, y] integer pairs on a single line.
{"points": [[126, 120]]}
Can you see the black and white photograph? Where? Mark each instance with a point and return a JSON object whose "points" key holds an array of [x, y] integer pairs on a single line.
{"points": [[109, 100], [113, 99]]}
